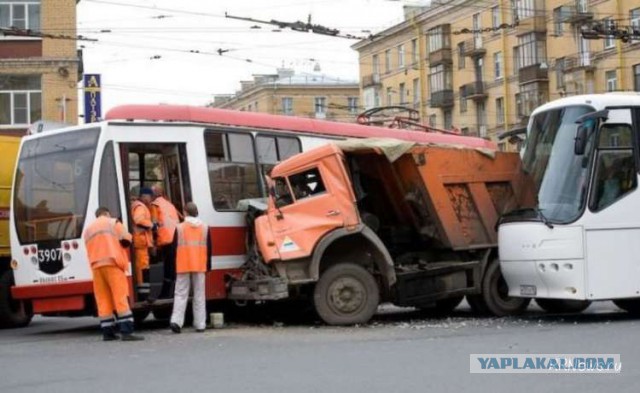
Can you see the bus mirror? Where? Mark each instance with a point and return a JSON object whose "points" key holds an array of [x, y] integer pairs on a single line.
{"points": [[581, 140]]}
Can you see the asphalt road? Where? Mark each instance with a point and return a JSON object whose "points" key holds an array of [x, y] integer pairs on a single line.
{"points": [[401, 351]]}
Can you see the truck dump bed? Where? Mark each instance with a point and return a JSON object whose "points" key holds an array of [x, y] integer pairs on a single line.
{"points": [[9, 148]]}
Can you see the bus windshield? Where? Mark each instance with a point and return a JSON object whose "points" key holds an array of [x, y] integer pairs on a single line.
{"points": [[52, 186], [560, 176]]}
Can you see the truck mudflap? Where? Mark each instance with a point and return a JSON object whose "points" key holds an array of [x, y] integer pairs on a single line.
{"points": [[416, 286], [269, 288]]}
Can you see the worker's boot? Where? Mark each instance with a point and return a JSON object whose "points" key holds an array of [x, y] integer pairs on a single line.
{"points": [[125, 323], [108, 327]]}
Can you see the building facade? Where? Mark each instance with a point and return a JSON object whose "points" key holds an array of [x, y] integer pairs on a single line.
{"points": [[483, 66], [38, 74], [285, 93]]}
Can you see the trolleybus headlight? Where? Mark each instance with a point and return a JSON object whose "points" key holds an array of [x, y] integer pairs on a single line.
{"points": [[34, 260], [74, 244], [14, 264], [34, 250]]}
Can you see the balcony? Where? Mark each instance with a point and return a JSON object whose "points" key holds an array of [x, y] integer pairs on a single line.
{"points": [[534, 24], [575, 14], [441, 99], [473, 47], [370, 80], [475, 91], [441, 56], [533, 73], [579, 62]]}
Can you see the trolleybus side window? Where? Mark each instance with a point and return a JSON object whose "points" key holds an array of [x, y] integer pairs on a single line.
{"points": [[232, 169], [108, 182], [273, 149], [615, 172]]}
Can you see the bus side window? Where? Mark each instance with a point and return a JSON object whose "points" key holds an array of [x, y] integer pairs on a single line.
{"points": [[273, 149], [108, 192], [615, 166], [232, 169]]}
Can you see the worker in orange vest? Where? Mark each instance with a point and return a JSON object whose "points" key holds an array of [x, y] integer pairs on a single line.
{"points": [[106, 241], [166, 218], [142, 238], [193, 248]]}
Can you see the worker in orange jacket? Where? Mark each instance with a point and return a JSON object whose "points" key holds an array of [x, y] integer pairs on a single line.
{"points": [[167, 219], [106, 241], [142, 238], [193, 248]]}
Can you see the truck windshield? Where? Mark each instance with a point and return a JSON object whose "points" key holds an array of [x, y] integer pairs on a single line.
{"points": [[560, 176], [52, 186]]}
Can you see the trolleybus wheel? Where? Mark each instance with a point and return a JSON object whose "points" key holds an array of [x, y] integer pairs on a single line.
{"points": [[13, 313]]}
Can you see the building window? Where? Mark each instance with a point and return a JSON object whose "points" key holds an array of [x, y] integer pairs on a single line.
{"points": [[560, 84], [636, 77], [448, 120], [634, 16], [463, 101], [558, 18], [461, 56], [530, 97], [376, 65], [387, 60], [320, 104], [495, 17], [389, 97], [287, 105], [400, 56], [500, 111], [416, 93], [255, 105], [531, 51], [609, 40], [352, 104], [401, 94], [524, 8], [376, 97], [611, 79], [20, 99], [497, 65], [232, 169], [432, 120], [20, 14], [439, 78], [438, 39], [414, 51]]}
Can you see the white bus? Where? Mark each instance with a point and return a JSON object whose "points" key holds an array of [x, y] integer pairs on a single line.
{"points": [[213, 157], [581, 242]]}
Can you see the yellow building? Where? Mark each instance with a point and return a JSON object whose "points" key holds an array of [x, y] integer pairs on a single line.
{"points": [[305, 95], [38, 75], [482, 66]]}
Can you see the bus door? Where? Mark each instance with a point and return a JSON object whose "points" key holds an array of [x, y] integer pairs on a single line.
{"points": [[147, 165], [612, 227]]}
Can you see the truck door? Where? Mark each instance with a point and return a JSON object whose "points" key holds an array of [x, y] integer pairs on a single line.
{"points": [[612, 225], [305, 210]]}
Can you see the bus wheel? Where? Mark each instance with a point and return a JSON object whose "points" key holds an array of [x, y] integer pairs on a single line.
{"points": [[442, 307], [563, 305], [13, 313], [631, 306], [495, 297], [346, 294]]}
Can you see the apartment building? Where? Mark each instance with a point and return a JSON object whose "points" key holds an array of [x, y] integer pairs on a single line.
{"points": [[38, 75], [286, 93], [482, 66]]}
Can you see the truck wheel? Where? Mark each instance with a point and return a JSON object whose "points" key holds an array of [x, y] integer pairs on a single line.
{"points": [[495, 299], [13, 313], [563, 305], [139, 315], [442, 307], [162, 313], [631, 306], [346, 294]]}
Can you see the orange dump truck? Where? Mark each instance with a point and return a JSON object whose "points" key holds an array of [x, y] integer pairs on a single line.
{"points": [[360, 222], [12, 314]]}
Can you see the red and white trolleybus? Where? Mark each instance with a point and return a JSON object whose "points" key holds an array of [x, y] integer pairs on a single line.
{"points": [[213, 157]]}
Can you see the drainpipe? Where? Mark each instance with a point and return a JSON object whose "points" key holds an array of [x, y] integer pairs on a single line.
{"points": [[619, 44], [421, 66], [505, 59]]}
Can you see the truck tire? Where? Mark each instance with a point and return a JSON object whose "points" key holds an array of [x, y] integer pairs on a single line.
{"points": [[346, 294], [563, 305], [632, 306], [494, 299], [139, 315], [442, 307], [13, 313]]}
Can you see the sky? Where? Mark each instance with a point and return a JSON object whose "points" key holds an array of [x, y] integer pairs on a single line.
{"points": [[163, 51]]}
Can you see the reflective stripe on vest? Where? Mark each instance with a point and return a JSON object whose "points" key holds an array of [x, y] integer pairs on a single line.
{"points": [[102, 241], [167, 221]]}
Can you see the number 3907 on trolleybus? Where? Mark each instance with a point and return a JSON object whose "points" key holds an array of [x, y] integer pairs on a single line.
{"points": [[213, 157]]}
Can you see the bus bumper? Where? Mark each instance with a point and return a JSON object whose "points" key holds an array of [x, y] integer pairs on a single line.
{"points": [[52, 298]]}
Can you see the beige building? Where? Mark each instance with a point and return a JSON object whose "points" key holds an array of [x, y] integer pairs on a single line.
{"points": [[482, 66], [306, 95], [38, 75]]}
